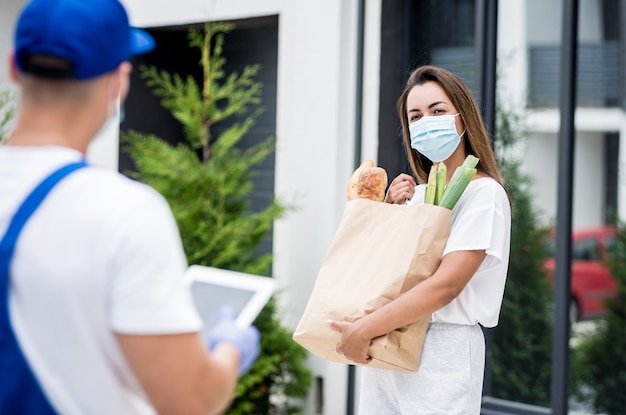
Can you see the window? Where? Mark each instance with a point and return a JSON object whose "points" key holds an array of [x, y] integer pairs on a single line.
{"points": [[586, 250]]}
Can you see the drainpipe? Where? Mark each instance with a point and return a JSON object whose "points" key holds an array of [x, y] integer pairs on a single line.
{"points": [[358, 129], [358, 119], [486, 19], [562, 274], [486, 59]]}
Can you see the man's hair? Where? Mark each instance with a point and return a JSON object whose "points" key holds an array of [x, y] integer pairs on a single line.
{"points": [[47, 66]]}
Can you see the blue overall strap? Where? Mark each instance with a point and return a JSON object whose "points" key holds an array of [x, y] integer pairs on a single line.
{"points": [[20, 392]]}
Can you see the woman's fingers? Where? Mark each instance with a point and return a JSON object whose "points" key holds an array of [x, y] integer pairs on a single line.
{"points": [[352, 353], [402, 189], [339, 326]]}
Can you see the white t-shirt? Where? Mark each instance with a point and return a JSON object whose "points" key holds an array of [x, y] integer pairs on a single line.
{"points": [[480, 220], [102, 254]]}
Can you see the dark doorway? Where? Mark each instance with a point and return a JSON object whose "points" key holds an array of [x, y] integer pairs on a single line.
{"points": [[414, 33], [252, 41]]}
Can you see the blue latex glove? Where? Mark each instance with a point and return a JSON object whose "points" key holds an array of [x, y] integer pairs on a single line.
{"points": [[246, 340]]}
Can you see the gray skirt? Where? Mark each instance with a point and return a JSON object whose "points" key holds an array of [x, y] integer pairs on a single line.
{"points": [[449, 380]]}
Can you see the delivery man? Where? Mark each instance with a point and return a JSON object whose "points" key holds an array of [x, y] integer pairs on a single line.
{"points": [[95, 315]]}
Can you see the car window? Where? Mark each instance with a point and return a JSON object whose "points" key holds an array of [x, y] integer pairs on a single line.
{"points": [[609, 242], [585, 250]]}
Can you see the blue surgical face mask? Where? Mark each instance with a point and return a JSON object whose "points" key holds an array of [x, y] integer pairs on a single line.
{"points": [[435, 136]]}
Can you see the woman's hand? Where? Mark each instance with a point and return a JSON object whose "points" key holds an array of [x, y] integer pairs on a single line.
{"points": [[352, 345], [401, 189]]}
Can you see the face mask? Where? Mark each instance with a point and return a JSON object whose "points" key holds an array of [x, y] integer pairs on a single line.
{"points": [[435, 136], [112, 125]]}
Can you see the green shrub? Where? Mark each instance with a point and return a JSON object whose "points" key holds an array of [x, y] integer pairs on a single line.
{"points": [[521, 346], [207, 181]]}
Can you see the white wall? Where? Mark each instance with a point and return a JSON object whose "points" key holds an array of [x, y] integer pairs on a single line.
{"points": [[544, 21], [152, 13], [588, 182], [8, 12], [541, 163], [512, 54], [314, 155]]}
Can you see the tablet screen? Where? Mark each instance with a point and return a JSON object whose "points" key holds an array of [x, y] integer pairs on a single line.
{"points": [[213, 288]]}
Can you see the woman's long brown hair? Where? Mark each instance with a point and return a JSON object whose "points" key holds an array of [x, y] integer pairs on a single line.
{"points": [[476, 137]]}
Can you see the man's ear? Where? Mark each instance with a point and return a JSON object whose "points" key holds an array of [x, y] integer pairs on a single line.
{"points": [[127, 68], [119, 82], [14, 73]]}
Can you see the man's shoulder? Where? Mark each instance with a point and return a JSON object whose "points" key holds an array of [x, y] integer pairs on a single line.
{"points": [[113, 181], [101, 186]]}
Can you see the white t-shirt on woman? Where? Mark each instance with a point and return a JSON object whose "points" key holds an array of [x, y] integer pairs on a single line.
{"points": [[480, 220]]}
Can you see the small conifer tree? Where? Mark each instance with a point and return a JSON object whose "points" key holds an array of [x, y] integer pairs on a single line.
{"points": [[521, 346], [598, 363], [207, 181]]}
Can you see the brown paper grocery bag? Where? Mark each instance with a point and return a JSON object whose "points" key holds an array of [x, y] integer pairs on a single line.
{"points": [[379, 251]]}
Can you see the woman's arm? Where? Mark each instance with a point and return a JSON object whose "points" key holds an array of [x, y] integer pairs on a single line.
{"points": [[452, 275]]}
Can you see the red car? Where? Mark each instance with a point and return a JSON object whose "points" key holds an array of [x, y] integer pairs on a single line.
{"points": [[591, 279]]}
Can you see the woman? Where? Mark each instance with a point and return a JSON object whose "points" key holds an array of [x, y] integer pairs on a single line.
{"points": [[441, 123]]}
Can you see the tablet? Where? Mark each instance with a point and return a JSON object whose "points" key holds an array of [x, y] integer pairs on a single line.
{"points": [[212, 288]]}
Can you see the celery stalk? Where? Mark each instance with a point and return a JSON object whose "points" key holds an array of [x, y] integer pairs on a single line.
{"points": [[431, 187], [441, 182], [458, 182]]}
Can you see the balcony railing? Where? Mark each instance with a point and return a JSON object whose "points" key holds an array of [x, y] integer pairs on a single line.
{"points": [[460, 61], [598, 75]]}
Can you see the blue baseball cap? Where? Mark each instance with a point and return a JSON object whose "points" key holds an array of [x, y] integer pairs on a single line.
{"points": [[93, 36]]}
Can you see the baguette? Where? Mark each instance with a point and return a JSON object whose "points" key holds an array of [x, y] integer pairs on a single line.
{"points": [[368, 182]]}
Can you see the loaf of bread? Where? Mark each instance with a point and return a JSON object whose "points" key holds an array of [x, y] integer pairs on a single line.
{"points": [[368, 182]]}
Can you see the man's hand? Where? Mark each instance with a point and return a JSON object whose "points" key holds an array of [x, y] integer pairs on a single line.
{"points": [[246, 340]]}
